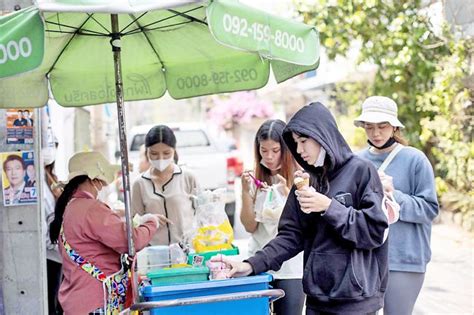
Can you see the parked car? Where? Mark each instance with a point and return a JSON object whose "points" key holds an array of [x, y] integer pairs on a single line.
{"points": [[215, 163]]}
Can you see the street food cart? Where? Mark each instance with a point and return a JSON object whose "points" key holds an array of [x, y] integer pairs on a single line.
{"points": [[187, 48]]}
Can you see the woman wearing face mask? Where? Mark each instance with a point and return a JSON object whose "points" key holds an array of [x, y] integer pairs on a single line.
{"points": [[165, 188], [409, 178], [88, 231], [337, 221], [274, 165]]}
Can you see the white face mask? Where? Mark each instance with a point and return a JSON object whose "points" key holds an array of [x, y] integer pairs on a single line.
{"points": [[99, 195], [161, 165], [321, 157], [264, 164]]}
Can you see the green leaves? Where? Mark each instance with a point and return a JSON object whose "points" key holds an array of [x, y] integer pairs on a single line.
{"points": [[421, 67]]}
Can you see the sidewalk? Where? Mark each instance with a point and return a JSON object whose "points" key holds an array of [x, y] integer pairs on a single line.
{"points": [[449, 282]]}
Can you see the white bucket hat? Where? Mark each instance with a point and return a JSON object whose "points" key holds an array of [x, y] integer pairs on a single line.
{"points": [[92, 164], [377, 109]]}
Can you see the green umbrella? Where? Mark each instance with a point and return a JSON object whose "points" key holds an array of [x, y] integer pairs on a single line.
{"points": [[188, 48]]}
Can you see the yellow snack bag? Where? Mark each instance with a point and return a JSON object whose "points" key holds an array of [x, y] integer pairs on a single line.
{"points": [[213, 229]]}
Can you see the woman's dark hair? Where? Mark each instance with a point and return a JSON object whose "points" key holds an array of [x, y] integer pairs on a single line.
{"points": [[161, 134], [273, 130], [319, 176], [13, 157], [61, 204]]}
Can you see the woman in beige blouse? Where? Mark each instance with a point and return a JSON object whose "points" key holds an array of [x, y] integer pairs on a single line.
{"points": [[165, 188]]}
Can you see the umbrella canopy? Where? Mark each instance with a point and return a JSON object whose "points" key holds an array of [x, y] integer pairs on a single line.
{"points": [[96, 51], [196, 49]]}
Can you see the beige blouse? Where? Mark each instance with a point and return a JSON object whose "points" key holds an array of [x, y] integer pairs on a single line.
{"points": [[172, 200]]}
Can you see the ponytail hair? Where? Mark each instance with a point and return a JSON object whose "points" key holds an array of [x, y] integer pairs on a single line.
{"points": [[63, 200]]}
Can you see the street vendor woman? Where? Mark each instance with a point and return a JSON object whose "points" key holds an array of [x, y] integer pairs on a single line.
{"points": [[165, 188], [92, 237]]}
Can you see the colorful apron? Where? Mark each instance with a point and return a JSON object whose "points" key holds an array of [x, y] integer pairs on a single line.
{"points": [[114, 286]]}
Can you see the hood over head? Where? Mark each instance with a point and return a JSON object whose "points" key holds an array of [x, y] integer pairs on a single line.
{"points": [[316, 122]]}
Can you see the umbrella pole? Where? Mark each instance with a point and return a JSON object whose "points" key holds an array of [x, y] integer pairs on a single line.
{"points": [[115, 42]]}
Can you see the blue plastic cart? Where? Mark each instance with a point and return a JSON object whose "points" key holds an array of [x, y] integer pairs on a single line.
{"points": [[247, 295]]}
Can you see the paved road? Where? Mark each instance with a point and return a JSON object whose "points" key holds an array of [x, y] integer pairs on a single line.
{"points": [[449, 282]]}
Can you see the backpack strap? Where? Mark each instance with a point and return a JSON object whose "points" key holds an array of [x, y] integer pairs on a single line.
{"points": [[391, 156]]}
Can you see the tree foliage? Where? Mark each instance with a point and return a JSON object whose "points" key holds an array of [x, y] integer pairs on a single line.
{"points": [[420, 66]]}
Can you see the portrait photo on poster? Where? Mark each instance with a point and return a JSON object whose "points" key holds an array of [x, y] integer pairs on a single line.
{"points": [[19, 125], [19, 184]]}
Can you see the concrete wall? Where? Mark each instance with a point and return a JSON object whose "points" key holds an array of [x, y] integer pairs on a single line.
{"points": [[22, 259], [461, 14]]}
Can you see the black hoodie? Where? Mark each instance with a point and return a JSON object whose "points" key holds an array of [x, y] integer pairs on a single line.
{"points": [[345, 258]]}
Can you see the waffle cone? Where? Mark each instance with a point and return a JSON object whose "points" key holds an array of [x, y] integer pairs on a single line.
{"points": [[301, 183]]}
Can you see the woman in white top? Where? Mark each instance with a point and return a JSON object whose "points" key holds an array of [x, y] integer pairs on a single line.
{"points": [[275, 166], [165, 188]]}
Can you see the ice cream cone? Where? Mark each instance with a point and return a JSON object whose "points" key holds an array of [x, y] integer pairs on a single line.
{"points": [[301, 183]]}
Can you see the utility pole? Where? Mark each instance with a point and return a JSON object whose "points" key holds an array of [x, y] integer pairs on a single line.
{"points": [[22, 244]]}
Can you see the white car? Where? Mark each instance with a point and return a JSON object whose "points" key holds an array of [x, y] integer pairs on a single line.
{"points": [[215, 164]]}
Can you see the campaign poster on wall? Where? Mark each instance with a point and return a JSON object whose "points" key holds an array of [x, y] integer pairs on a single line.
{"points": [[18, 178], [20, 126]]}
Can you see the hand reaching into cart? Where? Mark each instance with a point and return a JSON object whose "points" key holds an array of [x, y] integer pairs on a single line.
{"points": [[237, 268]]}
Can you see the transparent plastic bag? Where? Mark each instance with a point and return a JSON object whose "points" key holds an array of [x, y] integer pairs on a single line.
{"points": [[212, 227], [269, 205], [391, 209]]}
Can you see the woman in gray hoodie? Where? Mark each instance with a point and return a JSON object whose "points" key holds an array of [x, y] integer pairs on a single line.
{"points": [[337, 221]]}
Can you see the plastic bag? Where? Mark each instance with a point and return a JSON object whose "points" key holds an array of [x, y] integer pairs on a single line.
{"points": [[391, 209], [212, 226], [269, 205]]}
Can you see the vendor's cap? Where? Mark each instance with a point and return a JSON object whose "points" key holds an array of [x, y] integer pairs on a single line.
{"points": [[92, 164], [377, 109]]}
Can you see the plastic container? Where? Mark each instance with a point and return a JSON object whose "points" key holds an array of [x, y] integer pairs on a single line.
{"points": [[207, 255], [254, 306], [168, 276], [218, 270], [158, 256]]}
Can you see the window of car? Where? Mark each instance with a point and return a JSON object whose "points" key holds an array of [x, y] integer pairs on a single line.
{"points": [[184, 139]]}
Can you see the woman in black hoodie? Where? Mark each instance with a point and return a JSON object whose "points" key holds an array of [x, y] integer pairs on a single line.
{"points": [[337, 221]]}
